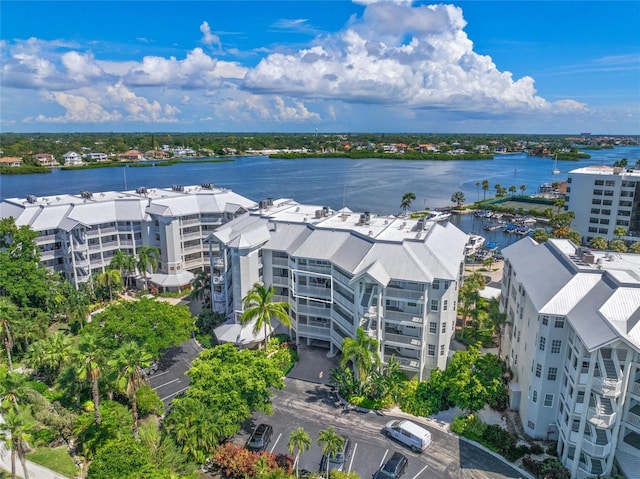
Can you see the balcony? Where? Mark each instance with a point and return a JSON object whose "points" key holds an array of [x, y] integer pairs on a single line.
{"points": [[219, 297], [40, 240], [409, 364], [217, 279], [402, 339], [313, 292], [218, 262], [595, 447], [607, 386], [314, 311], [342, 301], [633, 416], [279, 261], [401, 293], [412, 318], [280, 280], [600, 420]]}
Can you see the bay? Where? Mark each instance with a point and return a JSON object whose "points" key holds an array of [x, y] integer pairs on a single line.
{"points": [[374, 185]]}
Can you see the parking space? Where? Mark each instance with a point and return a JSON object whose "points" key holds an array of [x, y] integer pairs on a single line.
{"points": [[313, 407]]}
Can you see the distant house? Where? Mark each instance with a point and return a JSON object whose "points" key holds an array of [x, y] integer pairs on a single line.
{"points": [[97, 157], [131, 155], [72, 158], [10, 161], [151, 154], [481, 148], [45, 159], [500, 149]]}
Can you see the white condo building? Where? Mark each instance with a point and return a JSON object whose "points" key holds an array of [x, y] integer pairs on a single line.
{"points": [[603, 198], [572, 341], [78, 234], [395, 277]]}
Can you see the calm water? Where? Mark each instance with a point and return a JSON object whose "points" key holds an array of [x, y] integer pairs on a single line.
{"points": [[374, 185]]}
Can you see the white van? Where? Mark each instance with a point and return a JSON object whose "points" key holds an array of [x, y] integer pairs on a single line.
{"points": [[408, 433]]}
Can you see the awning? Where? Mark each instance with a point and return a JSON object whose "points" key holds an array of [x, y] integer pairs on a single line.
{"points": [[242, 336], [183, 278]]}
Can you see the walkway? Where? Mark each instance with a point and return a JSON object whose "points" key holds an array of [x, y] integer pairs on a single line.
{"points": [[36, 471]]}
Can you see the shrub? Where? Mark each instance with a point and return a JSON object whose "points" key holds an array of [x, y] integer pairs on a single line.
{"points": [[237, 462], [516, 453], [497, 439], [470, 427], [148, 402], [43, 437], [536, 449]]}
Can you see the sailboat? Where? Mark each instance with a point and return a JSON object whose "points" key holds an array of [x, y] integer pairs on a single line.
{"points": [[555, 171]]}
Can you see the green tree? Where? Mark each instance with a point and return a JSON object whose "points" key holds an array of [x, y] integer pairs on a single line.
{"points": [[90, 362], [362, 351], [148, 258], [523, 188], [512, 190], [559, 204], [18, 425], [130, 361], [458, 198], [619, 231], [635, 247], [260, 307], [154, 325], [14, 391], [618, 246], [540, 235], [331, 443], [300, 440], [485, 188], [598, 242], [110, 279], [124, 263], [8, 315], [469, 295], [407, 199], [201, 288], [48, 355]]}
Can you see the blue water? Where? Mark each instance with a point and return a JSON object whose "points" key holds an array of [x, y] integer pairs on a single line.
{"points": [[374, 185]]}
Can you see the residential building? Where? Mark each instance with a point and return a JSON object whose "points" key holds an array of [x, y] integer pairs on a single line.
{"points": [[131, 155], [10, 161], [603, 198], [97, 157], [72, 158], [45, 159], [78, 234], [395, 277], [572, 342]]}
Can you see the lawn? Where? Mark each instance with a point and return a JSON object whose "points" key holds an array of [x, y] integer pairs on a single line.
{"points": [[57, 459]]}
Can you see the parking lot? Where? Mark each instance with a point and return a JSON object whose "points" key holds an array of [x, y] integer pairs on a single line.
{"points": [[314, 407]]}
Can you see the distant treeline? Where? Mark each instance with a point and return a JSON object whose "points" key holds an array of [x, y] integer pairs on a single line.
{"points": [[366, 154]]}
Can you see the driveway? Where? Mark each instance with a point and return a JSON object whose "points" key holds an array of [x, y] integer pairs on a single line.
{"points": [[315, 364], [170, 379]]}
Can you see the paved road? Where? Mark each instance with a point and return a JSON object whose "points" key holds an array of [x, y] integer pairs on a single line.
{"points": [[170, 379], [313, 407]]}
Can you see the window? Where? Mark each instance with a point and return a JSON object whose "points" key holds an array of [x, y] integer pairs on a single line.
{"points": [[559, 322], [599, 182], [607, 202], [548, 400], [436, 284], [534, 397], [606, 212], [596, 201], [545, 320], [556, 344], [538, 370], [595, 211], [597, 192], [431, 350], [609, 183], [444, 328], [442, 350], [434, 305], [552, 374], [445, 305], [542, 344], [433, 327]]}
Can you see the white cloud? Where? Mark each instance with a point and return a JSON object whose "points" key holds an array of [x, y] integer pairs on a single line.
{"points": [[209, 38], [138, 108], [197, 70], [419, 57], [78, 109], [241, 107]]}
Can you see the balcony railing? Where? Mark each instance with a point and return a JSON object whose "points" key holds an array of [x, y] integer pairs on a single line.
{"points": [[314, 311], [401, 316], [595, 450], [406, 363], [279, 261], [402, 339], [218, 262], [633, 419], [217, 279], [600, 420], [313, 291], [402, 293], [606, 386]]}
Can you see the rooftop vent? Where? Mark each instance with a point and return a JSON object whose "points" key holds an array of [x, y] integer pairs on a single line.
{"points": [[206, 186], [32, 199], [179, 188], [86, 194], [141, 190], [319, 214], [421, 224]]}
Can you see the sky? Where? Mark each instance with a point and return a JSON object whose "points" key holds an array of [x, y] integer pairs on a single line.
{"points": [[535, 67]]}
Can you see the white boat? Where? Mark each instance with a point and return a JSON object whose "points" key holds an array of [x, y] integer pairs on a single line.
{"points": [[555, 171], [439, 216], [474, 244]]}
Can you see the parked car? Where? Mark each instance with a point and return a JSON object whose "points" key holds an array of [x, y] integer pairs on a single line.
{"points": [[336, 462], [415, 437], [393, 468], [260, 437]]}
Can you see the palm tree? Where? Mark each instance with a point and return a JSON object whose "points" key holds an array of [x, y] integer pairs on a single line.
{"points": [[90, 362], [559, 204], [619, 231], [147, 261], [110, 279], [18, 425], [598, 242], [50, 353], [485, 188], [458, 198], [201, 287], [130, 361], [362, 351], [512, 190], [300, 440], [331, 443], [523, 188], [260, 306], [478, 187], [8, 313], [123, 262], [14, 391], [407, 199]]}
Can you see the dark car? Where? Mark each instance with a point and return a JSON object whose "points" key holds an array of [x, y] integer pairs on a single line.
{"points": [[393, 468], [260, 437], [336, 462]]}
